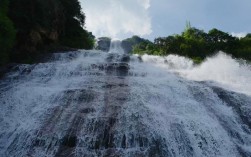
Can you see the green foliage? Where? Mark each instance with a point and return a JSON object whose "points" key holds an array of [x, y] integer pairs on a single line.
{"points": [[135, 44], [188, 25], [244, 48], [33, 26], [197, 60], [248, 36], [74, 35], [4, 4], [7, 33], [194, 34], [73, 11], [77, 37], [197, 44]]}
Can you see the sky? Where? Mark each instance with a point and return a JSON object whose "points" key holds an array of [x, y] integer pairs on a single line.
{"points": [[159, 18]]}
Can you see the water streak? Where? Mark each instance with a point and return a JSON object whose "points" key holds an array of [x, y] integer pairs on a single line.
{"points": [[92, 103], [116, 47]]}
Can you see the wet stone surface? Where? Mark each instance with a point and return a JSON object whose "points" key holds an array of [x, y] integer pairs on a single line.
{"points": [[93, 104]]}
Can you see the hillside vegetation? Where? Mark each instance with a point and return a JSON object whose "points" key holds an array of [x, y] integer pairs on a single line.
{"points": [[194, 43], [31, 27]]}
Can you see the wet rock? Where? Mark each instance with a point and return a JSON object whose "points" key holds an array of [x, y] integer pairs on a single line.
{"points": [[110, 57], [67, 146], [39, 142], [157, 149], [118, 68], [80, 95], [103, 44], [123, 144], [182, 138], [123, 67], [125, 58], [109, 86], [243, 152], [236, 100], [87, 110], [69, 141], [86, 96], [111, 66], [7, 68]]}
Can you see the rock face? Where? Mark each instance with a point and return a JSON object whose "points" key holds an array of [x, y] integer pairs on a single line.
{"points": [[127, 46], [103, 44], [129, 43]]}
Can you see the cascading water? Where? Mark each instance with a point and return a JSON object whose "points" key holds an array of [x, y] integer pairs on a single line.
{"points": [[92, 103], [115, 47]]}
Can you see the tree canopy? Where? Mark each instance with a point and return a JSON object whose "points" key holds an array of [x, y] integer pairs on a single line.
{"points": [[7, 32], [30, 27], [197, 44]]}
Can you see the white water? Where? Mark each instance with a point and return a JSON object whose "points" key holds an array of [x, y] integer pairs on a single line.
{"points": [[92, 103], [220, 69], [115, 47]]}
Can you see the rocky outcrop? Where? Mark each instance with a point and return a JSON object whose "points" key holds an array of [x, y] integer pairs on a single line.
{"points": [[127, 46], [129, 43], [103, 44]]}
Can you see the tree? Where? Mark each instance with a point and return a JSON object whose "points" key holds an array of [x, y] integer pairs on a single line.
{"points": [[135, 43], [220, 40], [216, 36], [194, 33], [43, 25], [248, 36], [73, 34], [7, 33]]}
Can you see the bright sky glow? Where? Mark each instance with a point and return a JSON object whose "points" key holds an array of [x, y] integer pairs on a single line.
{"points": [[154, 18]]}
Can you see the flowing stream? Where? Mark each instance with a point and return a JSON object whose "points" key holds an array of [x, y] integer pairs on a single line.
{"points": [[98, 104]]}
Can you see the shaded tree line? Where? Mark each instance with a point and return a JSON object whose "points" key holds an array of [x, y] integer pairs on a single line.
{"points": [[31, 27], [197, 44]]}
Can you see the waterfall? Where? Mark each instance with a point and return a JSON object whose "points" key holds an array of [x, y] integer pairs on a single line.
{"points": [[116, 47], [92, 103]]}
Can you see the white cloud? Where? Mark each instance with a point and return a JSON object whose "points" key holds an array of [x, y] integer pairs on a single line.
{"points": [[145, 3], [239, 35], [117, 18]]}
